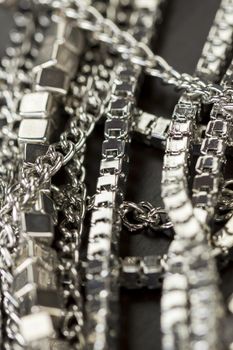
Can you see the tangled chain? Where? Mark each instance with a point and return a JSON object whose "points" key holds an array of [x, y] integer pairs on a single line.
{"points": [[143, 215], [106, 31], [88, 18], [22, 196], [85, 108], [15, 80], [69, 151]]}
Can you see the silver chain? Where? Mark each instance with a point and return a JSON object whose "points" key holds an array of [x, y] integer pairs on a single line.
{"points": [[71, 198], [47, 166], [191, 267], [15, 79], [94, 90]]}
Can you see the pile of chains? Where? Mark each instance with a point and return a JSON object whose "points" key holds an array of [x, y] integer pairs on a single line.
{"points": [[71, 65]]}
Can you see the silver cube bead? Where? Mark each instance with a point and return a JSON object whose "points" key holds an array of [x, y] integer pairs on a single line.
{"points": [[32, 275], [35, 131], [108, 183], [66, 31], [36, 327], [56, 54], [52, 79], [30, 251], [31, 151], [102, 215], [45, 205], [37, 300], [38, 105], [38, 226]]}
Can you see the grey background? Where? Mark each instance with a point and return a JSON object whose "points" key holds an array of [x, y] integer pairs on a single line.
{"points": [[180, 40]]}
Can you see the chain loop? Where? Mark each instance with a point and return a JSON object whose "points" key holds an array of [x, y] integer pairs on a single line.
{"points": [[143, 215]]}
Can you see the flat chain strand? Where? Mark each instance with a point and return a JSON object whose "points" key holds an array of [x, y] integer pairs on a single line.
{"points": [[153, 130], [25, 40], [101, 287], [87, 102], [190, 283]]}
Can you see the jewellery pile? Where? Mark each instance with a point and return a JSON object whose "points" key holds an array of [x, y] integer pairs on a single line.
{"points": [[72, 64]]}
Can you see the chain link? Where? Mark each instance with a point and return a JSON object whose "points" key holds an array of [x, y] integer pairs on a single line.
{"points": [[139, 216], [144, 215]]}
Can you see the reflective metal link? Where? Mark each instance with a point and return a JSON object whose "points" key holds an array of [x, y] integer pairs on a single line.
{"points": [[46, 165], [222, 240], [150, 129], [14, 77], [42, 222], [217, 49], [90, 19], [91, 86], [105, 221], [102, 293], [189, 243], [137, 272], [208, 197]]}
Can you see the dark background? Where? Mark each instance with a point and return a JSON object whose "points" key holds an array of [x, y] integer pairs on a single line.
{"points": [[179, 40]]}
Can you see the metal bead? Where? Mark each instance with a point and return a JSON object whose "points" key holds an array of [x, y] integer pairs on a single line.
{"points": [[37, 131], [38, 226]]}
